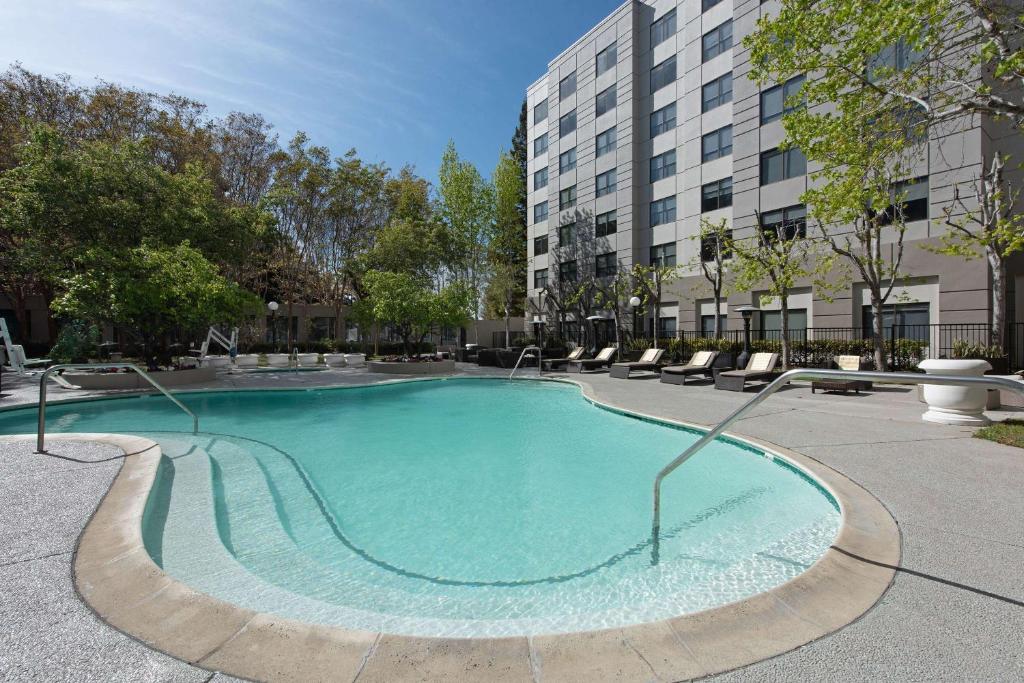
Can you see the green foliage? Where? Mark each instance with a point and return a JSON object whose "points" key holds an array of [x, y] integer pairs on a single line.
{"points": [[506, 289], [1007, 432], [411, 306], [965, 349], [77, 342]]}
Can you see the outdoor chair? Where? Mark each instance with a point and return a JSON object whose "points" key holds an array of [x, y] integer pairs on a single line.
{"points": [[852, 363], [602, 359], [555, 363], [761, 366], [648, 361], [16, 353], [699, 364]]}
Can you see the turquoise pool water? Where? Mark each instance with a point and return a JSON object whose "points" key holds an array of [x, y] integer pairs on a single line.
{"points": [[461, 507]]}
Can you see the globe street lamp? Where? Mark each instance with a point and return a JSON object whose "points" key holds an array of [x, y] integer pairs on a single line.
{"points": [[273, 305], [634, 303], [746, 312]]}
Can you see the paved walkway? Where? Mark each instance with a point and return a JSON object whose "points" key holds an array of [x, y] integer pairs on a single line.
{"points": [[955, 611]]}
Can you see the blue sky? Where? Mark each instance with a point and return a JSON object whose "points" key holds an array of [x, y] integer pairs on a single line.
{"points": [[393, 78]]}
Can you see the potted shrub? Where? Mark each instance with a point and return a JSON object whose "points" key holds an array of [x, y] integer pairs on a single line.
{"points": [[955, 405], [247, 360], [308, 360]]}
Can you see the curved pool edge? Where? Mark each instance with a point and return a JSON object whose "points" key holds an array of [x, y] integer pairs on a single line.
{"points": [[116, 577]]}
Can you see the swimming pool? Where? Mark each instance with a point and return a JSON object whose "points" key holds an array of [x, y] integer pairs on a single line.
{"points": [[462, 507]]}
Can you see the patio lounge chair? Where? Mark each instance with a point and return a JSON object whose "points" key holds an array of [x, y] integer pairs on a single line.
{"points": [[852, 363], [16, 353], [699, 364], [648, 361], [554, 363], [602, 359], [761, 366]]}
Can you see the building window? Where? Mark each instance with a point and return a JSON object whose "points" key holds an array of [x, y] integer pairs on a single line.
{"points": [[705, 5], [663, 211], [567, 124], [914, 202], [663, 120], [716, 195], [780, 164], [666, 328], [566, 234], [606, 58], [540, 145], [709, 247], [540, 278], [322, 327], [663, 29], [707, 324], [567, 271], [716, 93], [567, 198], [716, 144], [605, 224], [779, 100], [663, 165], [540, 178], [567, 86], [540, 111], [716, 41], [910, 320], [605, 183], [663, 74], [540, 245], [540, 212], [663, 255], [605, 265], [771, 324], [788, 223], [605, 101], [893, 59], [567, 161], [606, 141]]}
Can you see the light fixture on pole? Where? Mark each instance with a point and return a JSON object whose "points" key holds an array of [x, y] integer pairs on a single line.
{"points": [[273, 306], [634, 304], [746, 312]]}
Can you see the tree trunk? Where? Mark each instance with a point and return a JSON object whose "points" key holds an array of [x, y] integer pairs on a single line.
{"points": [[508, 340], [998, 267], [784, 312], [288, 323], [718, 309], [877, 329]]}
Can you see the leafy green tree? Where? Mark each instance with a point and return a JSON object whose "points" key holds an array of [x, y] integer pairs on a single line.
{"points": [[519, 155], [649, 284], [412, 307], [613, 294], [506, 252], [713, 264], [153, 291]]}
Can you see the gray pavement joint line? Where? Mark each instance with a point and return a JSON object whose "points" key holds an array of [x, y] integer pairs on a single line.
{"points": [[630, 645], [879, 443], [931, 577], [33, 559], [199, 660], [963, 535], [535, 664], [370, 651]]}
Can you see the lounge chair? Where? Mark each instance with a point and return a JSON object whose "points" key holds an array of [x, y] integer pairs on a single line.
{"points": [[761, 366], [554, 363], [852, 363], [16, 353], [700, 363], [648, 361], [602, 359]]}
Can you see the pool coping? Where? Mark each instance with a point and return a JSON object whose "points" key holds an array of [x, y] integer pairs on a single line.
{"points": [[115, 576]]}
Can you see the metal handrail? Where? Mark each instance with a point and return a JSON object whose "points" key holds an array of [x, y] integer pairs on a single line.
{"points": [[784, 379], [540, 360], [40, 435]]}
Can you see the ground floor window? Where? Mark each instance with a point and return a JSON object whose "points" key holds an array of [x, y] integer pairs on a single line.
{"points": [[281, 323], [321, 327], [666, 327], [707, 324], [771, 324], [911, 320]]}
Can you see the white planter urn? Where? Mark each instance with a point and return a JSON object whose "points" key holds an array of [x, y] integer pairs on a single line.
{"points": [[334, 360], [278, 360], [953, 405], [308, 360], [247, 360], [355, 360], [218, 362]]}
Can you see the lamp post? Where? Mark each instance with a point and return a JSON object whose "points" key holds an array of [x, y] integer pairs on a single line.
{"points": [[634, 304], [746, 312], [273, 305]]}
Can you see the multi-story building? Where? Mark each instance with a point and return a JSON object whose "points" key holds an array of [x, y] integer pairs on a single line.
{"points": [[648, 122]]}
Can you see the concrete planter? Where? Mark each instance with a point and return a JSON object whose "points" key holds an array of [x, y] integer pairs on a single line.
{"points": [[217, 362], [355, 360], [277, 360], [308, 360], [955, 405], [248, 360], [440, 367], [334, 360], [131, 380]]}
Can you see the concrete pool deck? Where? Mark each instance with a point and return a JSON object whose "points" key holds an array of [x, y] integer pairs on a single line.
{"points": [[954, 611]]}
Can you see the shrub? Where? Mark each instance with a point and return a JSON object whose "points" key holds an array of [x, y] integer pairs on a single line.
{"points": [[76, 343]]}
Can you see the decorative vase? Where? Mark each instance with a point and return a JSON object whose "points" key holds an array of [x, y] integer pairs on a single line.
{"points": [[277, 360], [955, 405], [354, 360], [247, 360], [334, 360], [308, 360]]}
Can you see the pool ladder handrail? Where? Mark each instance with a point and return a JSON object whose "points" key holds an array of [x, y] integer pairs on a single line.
{"points": [[804, 374], [41, 433], [540, 360]]}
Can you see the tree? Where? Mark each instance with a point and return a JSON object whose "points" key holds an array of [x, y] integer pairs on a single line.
{"points": [[248, 153], [152, 291], [779, 254], [412, 307], [994, 227], [711, 258], [506, 248], [519, 155], [649, 284], [613, 294]]}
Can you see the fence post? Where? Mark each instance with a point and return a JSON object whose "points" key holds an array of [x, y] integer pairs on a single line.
{"points": [[892, 346]]}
